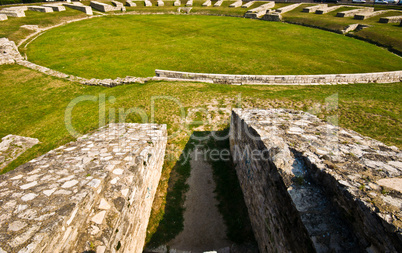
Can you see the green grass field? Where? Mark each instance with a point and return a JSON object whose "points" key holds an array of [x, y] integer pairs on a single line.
{"points": [[132, 45]]}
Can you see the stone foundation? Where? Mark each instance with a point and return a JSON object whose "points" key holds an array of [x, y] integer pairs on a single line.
{"points": [[380, 77], [236, 4], [311, 186], [365, 15], [393, 19], [92, 194]]}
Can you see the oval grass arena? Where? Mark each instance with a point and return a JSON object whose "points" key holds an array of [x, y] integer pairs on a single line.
{"points": [[136, 45]]}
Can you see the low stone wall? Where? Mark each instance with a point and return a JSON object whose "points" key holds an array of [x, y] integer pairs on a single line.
{"points": [[177, 3], [380, 77], [350, 13], [218, 3], [393, 19], [288, 8], [365, 15], [310, 9], [260, 10], [147, 3], [236, 4], [207, 3], [272, 16], [101, 6], [40, 9], [55, 7], [247, 5], [311, 186], [328, 9], [160, 3], [189, 3], [130, 4], [92, 194], [16, 12], [3, 17], [86, 9]]}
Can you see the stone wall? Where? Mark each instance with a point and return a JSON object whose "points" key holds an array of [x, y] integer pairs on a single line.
{"points": [[8, 52], [40, 9], [94, 194], [380, 77], [80, 7], [307, 184], [392, 19], [101, 6]]}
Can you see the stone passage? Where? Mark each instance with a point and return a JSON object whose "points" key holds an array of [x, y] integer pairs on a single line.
{"points": [[309, 185], [92, 194], [13, 146]]}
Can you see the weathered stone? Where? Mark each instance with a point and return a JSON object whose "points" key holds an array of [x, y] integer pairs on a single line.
{"points": [[272, 16], [368, 14], [65, 211], [236, 4], [260, 10], [40, 9], [101, 6], [56, 7], [351, 13], [327, 9], [177, 3], [147, 3], [131, 4], [189, 3], [218, 3], [3, 17], [12, 146], [160, 3], [293, 160], [16, 12], [392, 183], [80, 7], [207, 3], [248, 4], [288, 8], [310, 9]]}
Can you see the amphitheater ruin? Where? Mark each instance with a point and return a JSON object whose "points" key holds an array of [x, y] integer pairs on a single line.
{"points": [[308, 185]]}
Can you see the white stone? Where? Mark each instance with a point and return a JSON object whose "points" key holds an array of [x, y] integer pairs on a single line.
{"points": [[63, 192], [124, 192], [66, 178], [29, 196], [100, 249], [118, 171], [27, 186], [114, 180], [16, 226], [49, 192], [104, 205], [69, 184], [393, 183], [94, 183], [21, 208], [16, 177], [98, 219]]}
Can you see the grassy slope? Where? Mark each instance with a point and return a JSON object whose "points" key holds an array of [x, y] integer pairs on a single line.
{"points": [[109, 47], [34, 105]]}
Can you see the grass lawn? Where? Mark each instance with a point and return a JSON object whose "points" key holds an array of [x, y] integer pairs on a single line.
{"points": [[131, 45], [34, 105]]}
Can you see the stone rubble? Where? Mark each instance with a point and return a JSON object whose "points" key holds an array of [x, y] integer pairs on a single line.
{"points": [[65, 201]]}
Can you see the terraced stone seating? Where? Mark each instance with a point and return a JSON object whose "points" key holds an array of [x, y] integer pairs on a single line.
{"points": [[56, 7], [92, 194], [177, 3], [328, 9], [189, 3], [311, 9], [392, 19], [365, 15], [248, 4], [236, 4], [80, 7], [350, 13], [218, 3], [207, 3], [260, 10], [40, 9]]}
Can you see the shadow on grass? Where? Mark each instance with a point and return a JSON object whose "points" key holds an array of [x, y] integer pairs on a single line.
{"points": [[228, 193]]}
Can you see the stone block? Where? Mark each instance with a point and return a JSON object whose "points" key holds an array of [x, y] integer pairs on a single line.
{"points": [[272, 16], [147, 3], [311, 9], [392, 19], [365, 15], [328, 9], [96, 192], [248, 4], [3, 17], [189, 3], [177, 3], [55, 7], [40, 9], [287, 8], [9, 53], [160, 3], [351, 13], [130, 4], [218, 3], [80, 7], [101, 6], [10, 12], [207, 3], [310, 186]]}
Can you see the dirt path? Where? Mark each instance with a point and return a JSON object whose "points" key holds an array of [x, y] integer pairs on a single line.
{"points": [[204, 229]]}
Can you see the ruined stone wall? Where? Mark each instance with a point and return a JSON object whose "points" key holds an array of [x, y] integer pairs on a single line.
{"points": [[316, 184], [379, 77], [94, 194]]}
